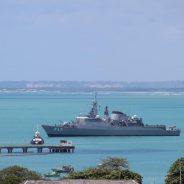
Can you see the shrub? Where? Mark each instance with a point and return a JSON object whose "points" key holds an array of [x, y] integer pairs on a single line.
{"points": [[16, 175]]}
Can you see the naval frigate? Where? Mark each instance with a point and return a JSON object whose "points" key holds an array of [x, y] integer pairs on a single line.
{"points": [[116, 124]]}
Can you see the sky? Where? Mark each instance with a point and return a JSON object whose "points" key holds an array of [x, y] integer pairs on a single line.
{"points": [[91, 40]]}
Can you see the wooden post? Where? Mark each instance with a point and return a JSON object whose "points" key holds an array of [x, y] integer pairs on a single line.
{"points": [[39, 150], [24, 149], [10, 149]]}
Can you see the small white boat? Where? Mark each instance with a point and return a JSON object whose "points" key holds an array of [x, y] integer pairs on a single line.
{"points": [[52, 174], [64, 169], [66, 143]]}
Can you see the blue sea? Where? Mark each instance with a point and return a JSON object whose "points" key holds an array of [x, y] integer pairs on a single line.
{"points": [[21, 112]]}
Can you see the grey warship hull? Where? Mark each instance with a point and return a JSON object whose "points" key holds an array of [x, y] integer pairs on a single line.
{"points": [[56, 131], [118, 124]]}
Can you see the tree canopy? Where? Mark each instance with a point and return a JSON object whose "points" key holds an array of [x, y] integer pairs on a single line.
{"points": [[175, 174], [110, 169], [114, 164], [16, 175]]}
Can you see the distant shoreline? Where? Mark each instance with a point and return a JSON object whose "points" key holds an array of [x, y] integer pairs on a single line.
{"points": [[91, 86]]}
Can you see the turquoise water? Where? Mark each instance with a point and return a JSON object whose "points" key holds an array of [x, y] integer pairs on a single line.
{"points": [[21, 112]]}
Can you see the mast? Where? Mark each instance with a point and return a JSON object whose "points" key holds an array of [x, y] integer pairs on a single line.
{"points": [[94, 109], [106, 113], [95, 103]]}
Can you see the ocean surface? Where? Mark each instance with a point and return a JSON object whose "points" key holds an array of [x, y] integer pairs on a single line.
{"points": [[21, 112]]}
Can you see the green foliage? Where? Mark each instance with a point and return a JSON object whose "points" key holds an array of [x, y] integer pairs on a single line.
{"points": [[110, 169], [173, 175], [12, 179], [96, 173], [16, 175], [114, 164]]}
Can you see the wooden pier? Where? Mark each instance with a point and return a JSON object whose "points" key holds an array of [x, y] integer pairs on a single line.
{"points": [[38, 148]]}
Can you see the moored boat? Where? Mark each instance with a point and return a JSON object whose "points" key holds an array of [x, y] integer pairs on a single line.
{"points": [[37, 139], [66, 143], [64, 169], [52, 174]]}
